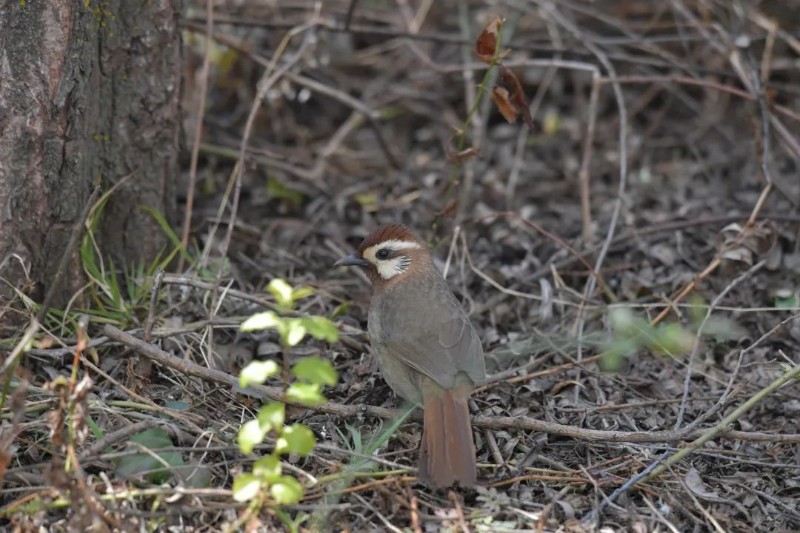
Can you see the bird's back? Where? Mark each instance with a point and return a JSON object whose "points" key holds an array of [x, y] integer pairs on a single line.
{"points": [[423, 325]]}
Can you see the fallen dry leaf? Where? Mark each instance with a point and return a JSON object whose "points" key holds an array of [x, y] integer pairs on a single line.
{"points": [[743, 244]]}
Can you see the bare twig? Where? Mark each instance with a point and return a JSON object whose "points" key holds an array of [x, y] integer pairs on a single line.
{"points": [[701, 328], [198, 132], [520, 423]]}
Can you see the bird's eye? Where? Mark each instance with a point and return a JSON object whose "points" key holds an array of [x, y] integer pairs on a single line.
{"points": [[383, 253]]}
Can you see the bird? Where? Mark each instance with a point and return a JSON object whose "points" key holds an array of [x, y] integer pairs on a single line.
{"points": [[427, 349]]}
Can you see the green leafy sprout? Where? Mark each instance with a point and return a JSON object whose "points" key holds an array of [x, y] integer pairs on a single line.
{"points": [[631, 334], [266, 483], [116, 295]]}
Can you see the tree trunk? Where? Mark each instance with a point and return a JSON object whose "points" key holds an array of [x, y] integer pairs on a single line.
{"points": [[89, 94]]}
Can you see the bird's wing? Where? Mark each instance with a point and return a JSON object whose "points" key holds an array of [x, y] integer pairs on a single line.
{"points": [[461, 343], [443, 349]]}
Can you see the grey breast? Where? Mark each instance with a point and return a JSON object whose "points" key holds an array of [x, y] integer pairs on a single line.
{"points": [[403, 379]]}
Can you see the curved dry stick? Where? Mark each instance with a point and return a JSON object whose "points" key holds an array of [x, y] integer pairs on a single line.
{"points": [[494, 422]]}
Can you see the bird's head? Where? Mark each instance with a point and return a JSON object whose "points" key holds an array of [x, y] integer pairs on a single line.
{"points": [[388, 254]]}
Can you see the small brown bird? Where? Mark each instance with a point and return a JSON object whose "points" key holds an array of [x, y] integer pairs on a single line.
{"points": [[427, 349]]}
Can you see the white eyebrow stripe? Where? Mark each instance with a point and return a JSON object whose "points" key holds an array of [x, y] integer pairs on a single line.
{"points": [[398, 245]]}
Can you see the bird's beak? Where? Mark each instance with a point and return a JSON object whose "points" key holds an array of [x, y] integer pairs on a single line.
{"points": [[351, 260]]}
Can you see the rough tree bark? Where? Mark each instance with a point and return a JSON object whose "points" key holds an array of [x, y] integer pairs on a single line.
{"points": [[89, 94]]}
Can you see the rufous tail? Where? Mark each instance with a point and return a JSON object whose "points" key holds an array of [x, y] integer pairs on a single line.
{"points": [[447, 453]]}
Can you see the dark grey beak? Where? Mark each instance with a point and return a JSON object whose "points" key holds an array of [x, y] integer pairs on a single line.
{"points": [[351, 260]]}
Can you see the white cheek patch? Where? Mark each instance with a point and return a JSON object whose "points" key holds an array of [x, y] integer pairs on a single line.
{"points": [[389, 268]]}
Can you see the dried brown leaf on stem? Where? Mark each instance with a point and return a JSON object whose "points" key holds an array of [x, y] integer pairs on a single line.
{"points": [[510, 98], [507, 95], [517, 95], [502, 100], [459, 155], [486, 44]]}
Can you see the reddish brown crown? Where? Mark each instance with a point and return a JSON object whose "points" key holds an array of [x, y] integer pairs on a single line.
{"points": [[387, 232]]}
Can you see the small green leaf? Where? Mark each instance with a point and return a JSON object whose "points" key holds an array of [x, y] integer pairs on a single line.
{"points": [[177, 405], [268, 468], [355, 436], [340, 309], [392, 111], [149, 464], [623, 321], [153, 438], [789, 302], [698, 308], [321, 328], [786, 368], [611, 362], [302, 292], [295, 332], [723, 329], [151, 467], [259, 321], [282, 291], [296, 438], [166, 227], [308, 394], [316, 370], [195, 475], [552, 123], [257, 372], [673, 339], [245, 487], [287, 490], [250, 435], [615, 354], [279, 191], [366, 199], [271, 415]]}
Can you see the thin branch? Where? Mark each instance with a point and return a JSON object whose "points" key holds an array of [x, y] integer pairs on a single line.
{"points": [[350, 411]]}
